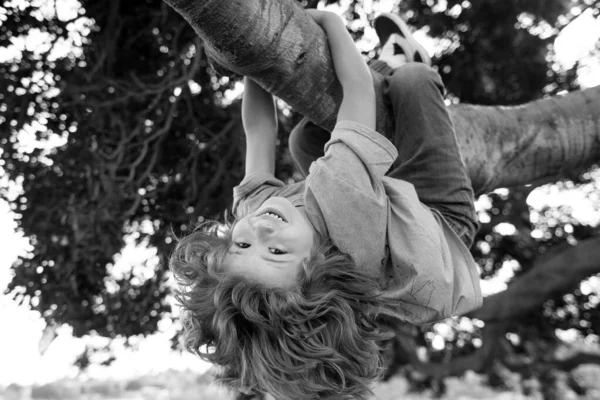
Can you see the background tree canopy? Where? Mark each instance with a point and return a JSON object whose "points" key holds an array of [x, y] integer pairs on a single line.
{"points": [[149, 142]]}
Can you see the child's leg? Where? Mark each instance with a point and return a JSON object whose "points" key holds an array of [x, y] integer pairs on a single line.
{"points": [[307, 140], [307, 143], [429, 156]]}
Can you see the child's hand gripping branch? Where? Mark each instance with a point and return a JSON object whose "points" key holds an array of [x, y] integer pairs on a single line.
{"points": [[358, 103], [288, 299]]}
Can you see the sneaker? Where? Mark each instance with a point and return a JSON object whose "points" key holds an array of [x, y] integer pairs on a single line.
{"points": [[391, 28], [395, 51]]}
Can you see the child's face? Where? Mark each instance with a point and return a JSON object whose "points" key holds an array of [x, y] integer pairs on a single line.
{"points": [[270, 249]]}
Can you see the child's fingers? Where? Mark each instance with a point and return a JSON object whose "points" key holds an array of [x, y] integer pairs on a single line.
{"points": [[318, 15], [314, 14]]}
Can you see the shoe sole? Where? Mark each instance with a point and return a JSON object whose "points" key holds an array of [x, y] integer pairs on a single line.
{"points": [[388, 23]]}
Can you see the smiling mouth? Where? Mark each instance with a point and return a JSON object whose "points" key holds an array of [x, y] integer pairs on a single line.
{"points": [[272, 214]]}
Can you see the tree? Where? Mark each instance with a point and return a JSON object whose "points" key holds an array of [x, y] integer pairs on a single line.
{"points": [[151, 142], [543, 140], [293, 62]]}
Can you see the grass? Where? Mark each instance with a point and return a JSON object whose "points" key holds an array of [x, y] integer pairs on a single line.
{"points": [[184, 385]]}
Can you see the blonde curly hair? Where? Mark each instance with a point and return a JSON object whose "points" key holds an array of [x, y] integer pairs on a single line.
{"points": [[319, 339]]}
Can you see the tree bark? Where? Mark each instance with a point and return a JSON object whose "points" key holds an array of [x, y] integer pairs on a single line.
{"points": [[277, 44]]}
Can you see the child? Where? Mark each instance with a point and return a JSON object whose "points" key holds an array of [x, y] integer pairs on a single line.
{"points": [[294, 297]]}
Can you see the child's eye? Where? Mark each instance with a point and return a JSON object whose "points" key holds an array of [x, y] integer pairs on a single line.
{"points": [[276, 251], [242, 245]]}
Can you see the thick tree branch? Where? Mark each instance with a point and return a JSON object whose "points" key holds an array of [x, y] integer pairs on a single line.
{"points": [[537, 142], [279, 46], [546, 278]]}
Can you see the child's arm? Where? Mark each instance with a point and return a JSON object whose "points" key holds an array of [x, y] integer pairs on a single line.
{"points": [[260, 125], [358, 103]]}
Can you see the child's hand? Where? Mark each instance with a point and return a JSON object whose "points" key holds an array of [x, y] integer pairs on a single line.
{"points": [[320, 16], [358, 103]]}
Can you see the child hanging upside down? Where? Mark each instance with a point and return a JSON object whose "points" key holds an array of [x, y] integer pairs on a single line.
{"points": [[295, 297]]}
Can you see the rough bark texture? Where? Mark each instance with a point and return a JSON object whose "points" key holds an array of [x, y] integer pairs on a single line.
{"points": [[274, 42], [538, 142], [279, 46]]}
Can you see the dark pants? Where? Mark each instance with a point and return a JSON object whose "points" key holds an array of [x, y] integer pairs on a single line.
{"points": [[428, 154]]}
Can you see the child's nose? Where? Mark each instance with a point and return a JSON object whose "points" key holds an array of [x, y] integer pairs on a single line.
{"points": [[262, 227]]}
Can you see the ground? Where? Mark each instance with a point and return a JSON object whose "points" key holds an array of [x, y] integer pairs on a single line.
{"points": [[185, 385]]}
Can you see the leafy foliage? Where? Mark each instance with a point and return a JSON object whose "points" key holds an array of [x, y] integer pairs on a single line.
{"points": [[140, 149], [149, 142]]}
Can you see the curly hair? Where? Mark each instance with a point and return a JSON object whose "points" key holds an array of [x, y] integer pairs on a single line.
{"points": [[319, 339]]}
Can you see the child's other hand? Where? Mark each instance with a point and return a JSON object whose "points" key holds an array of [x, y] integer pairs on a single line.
{"points": [[320, 16]]}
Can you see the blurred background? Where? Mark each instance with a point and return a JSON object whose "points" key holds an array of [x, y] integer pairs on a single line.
{"points": [[116, 135]]}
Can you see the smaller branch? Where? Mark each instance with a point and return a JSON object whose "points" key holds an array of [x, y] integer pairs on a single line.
{"points": [[545, 279], [138, 160], [577, 359], [134, 206], [478, 361], [566, 364], [167, 125], [157, 148], [573, 18], [194, 171], [216, 180]]}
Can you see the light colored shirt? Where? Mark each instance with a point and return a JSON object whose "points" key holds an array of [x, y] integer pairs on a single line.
{"points": [[380, 222]]}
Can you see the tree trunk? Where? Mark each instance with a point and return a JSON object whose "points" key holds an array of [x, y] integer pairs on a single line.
{"points": [[278, 45]]}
